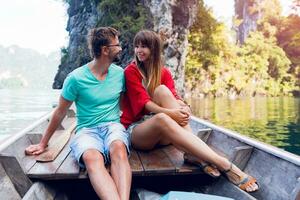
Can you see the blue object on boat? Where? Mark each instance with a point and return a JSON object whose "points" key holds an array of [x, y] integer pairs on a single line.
{"points": [[173, 195]]}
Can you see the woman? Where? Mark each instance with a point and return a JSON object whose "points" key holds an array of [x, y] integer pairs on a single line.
{"points": [[155, 115]]}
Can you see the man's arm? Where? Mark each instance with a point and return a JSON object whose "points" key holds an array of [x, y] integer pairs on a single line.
{"points": [[57, 117]]}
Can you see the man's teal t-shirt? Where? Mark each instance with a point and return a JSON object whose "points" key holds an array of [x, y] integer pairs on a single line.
{"points": [[96, 101]]}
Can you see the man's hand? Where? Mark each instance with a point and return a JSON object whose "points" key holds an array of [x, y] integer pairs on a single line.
{"points": [[57, 117], [35, 149], [181, 116]]}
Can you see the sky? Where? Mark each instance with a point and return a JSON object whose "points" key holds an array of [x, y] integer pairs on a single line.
{"points": [[224, 11], [35, 24], [41, 24]]}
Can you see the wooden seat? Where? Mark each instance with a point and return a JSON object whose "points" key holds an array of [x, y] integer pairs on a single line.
{"points": [[165, 160], [161, 161]]}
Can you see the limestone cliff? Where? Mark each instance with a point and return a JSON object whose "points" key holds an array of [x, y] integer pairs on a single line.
{"points": [[249, 11], [170, 18]]}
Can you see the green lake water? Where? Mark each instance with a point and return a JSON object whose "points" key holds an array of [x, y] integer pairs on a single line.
{"points": [[275, 120]]}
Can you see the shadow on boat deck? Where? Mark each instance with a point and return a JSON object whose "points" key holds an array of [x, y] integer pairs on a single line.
{"points": [[82, 189]]}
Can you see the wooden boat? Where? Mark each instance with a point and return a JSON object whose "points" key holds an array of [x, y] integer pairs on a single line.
{"points": [[22, 177]]}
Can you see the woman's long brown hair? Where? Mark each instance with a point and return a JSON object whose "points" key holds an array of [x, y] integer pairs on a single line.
{"points": [[152, 73]]}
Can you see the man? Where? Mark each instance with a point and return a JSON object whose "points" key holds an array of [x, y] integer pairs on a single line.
{"points": [[96, 88]]}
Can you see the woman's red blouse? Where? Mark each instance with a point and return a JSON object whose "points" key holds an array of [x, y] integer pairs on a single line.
{"points": [[136, 96]]}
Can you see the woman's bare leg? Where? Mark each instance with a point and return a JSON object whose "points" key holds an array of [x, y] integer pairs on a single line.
{"points": [[162, 128], [164, 98]]}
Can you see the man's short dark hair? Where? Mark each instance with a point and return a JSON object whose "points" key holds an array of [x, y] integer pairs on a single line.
{"points": [[99, 37]]}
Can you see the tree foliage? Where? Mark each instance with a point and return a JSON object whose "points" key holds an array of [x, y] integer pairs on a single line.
{"points": [[127, 16], [262, 65]]}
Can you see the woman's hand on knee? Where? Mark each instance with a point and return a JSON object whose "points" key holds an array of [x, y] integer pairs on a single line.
{"points": [[179, 115], [187, 109]]}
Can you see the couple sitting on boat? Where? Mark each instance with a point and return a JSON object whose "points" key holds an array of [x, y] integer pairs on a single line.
{"points": [[152, 114]]}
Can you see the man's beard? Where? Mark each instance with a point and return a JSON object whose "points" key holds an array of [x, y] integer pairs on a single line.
{"points": [[117, 58]]}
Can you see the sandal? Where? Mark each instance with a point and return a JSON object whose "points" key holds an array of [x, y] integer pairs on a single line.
{"points": [[244, 183], [210, 170]]}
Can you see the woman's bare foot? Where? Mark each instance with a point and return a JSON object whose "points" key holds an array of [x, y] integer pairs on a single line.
{"points": [[241, 179]]}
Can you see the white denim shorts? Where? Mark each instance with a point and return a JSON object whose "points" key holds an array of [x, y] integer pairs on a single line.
{"points": [[99, 138], [134, 124]]}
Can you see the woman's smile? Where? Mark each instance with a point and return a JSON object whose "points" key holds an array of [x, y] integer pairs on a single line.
{"points": [[142, 52]]}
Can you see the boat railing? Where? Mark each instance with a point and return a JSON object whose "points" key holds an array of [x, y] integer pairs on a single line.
{"points": [[21, 133], [295, 159]]}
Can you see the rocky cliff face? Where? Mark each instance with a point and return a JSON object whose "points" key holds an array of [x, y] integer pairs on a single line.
{"points": [[249, 12], [83, 15], [170, 18]]}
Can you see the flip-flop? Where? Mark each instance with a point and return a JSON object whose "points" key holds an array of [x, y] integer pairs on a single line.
{"points": [[207, 168]]}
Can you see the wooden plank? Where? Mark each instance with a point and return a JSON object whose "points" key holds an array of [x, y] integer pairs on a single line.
{"points": [[46, 170], [17, 149], [68, 169], [224, 188], [296, 191], [156, 162], [34, 137], [55, 145], [241, 156], [221, 153], [204, 134], [41, 127], [16, 174], [61, 196], [7, 189], [67, 122], [40, 191], [71, 113], [177, 159], [135, 163]]}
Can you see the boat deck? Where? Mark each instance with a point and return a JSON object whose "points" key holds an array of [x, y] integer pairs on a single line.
{"points": [[162, 161], [165, 160], [23, 176]]}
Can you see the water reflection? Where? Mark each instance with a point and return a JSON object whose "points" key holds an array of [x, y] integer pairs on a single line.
{"points": [[275, 120], [20, 107]]}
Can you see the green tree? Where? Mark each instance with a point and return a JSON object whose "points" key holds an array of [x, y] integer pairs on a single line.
{"points": [[266, 65], [206, 43], [288, 37], [128, 17]]}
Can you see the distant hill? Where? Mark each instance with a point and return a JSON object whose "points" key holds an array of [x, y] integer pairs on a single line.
{"points": [[21, 67]]}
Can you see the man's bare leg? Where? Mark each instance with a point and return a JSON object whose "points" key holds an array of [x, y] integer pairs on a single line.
{"points": [[100, 179], [120, 168]]}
